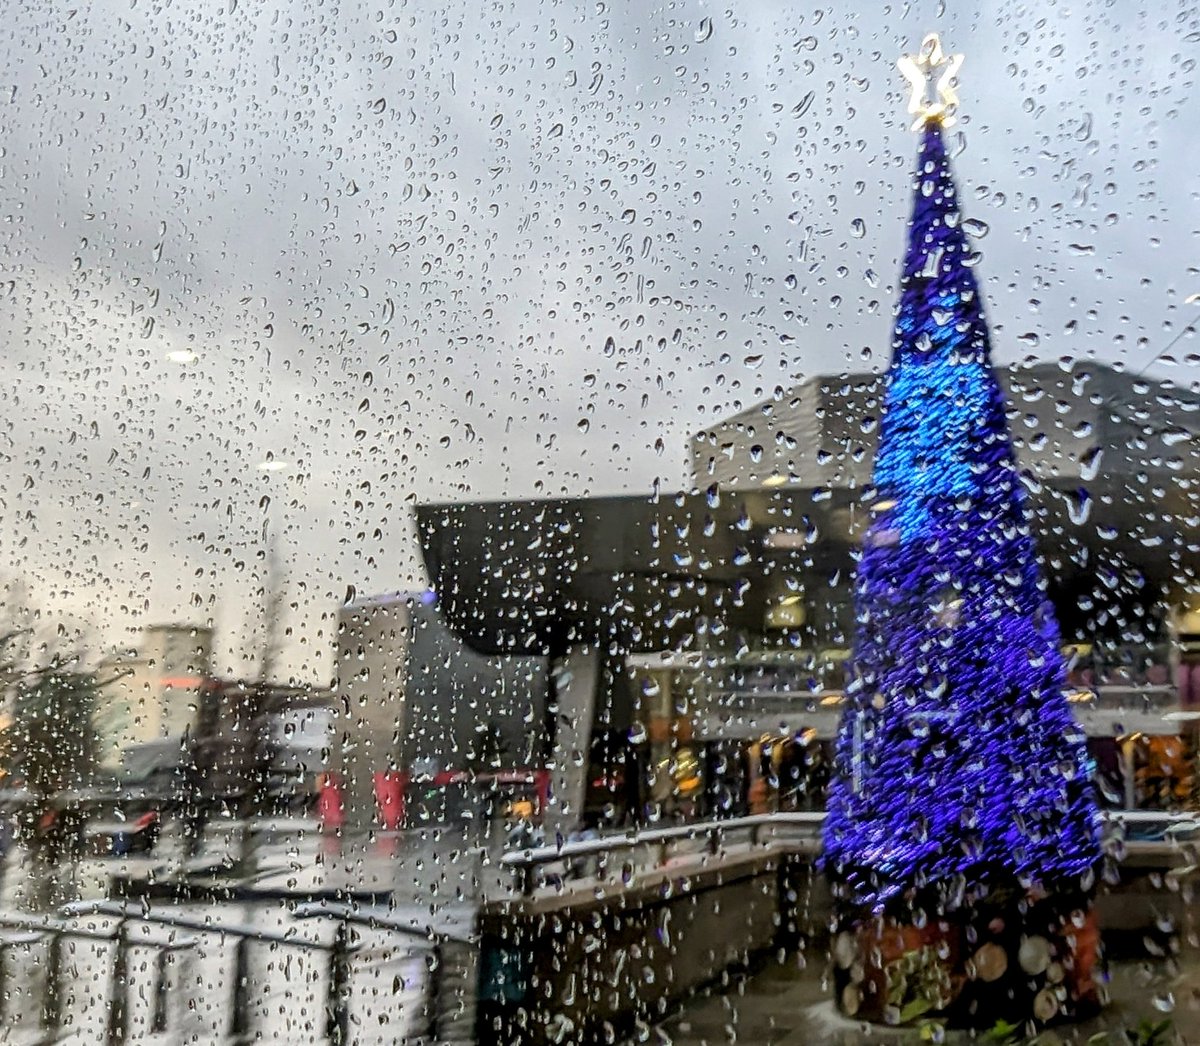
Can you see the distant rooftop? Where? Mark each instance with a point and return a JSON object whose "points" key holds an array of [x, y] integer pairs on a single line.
{"points": [[1067, 422]]}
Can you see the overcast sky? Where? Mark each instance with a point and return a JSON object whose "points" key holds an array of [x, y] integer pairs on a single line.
{"points": [[453, 250]]}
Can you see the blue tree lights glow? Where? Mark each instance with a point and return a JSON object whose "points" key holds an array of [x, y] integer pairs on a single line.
{"points": [[959, 767]]}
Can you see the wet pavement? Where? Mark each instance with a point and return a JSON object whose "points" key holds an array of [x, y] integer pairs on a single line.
{"points": [[789, 1003], [272, 968]]}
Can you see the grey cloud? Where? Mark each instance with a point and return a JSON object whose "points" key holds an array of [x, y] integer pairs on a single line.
{"points": [[416, 246]]}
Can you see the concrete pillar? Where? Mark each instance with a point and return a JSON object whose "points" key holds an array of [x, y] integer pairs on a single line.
{"points": [[574, 680]]}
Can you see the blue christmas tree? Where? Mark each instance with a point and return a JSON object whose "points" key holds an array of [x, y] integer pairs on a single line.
{"points": [[959, 770]]}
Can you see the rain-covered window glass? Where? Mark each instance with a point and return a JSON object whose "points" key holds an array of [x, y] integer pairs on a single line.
{"points": [[589, 522]]}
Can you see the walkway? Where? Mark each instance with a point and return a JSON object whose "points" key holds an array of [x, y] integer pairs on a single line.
{"points": [[786, 1004]]}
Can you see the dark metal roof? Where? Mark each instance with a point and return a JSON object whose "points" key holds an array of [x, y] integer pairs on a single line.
{"points": [[645, 573]]}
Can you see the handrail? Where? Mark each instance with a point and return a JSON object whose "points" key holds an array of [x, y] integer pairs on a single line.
{"points": [[633, 838], [43, 925], [30, 931], [54, 930], [1150, 816], [339, 951], [351, 914], [130, 910]]}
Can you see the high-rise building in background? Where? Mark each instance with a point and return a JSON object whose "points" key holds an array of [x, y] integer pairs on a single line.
{"points": [[150, 698]]}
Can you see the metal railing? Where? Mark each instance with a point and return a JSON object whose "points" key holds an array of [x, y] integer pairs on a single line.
{"points": [[800, 831], [32, 930], [663, 843], [449, 981], [433, 942], [339, 951]]}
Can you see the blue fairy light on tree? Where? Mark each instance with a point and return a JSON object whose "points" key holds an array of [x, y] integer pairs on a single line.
{"points": [[961, 776]]}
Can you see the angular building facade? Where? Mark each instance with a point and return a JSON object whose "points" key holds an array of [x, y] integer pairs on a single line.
{"points": [[736, 600]]}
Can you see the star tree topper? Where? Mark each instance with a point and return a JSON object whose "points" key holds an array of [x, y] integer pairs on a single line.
{"points": [[931, 66]]}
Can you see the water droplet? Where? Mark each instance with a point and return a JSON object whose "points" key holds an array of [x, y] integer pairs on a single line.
{"points": [[1079, 506]]}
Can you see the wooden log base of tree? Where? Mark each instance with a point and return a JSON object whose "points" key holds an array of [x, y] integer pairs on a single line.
{"points": [[1026, 961]]}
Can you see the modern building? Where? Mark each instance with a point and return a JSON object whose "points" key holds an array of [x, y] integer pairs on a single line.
{"points": [[411, 697], [687, 633]]}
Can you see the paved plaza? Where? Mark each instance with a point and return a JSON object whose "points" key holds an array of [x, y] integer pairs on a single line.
{"points": [[789, 1003]]}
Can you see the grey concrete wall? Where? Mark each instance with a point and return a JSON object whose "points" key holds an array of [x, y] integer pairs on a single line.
{"points": [[369, 687], [411, 695], [466, 709], [576, 679], [591, 965]]}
